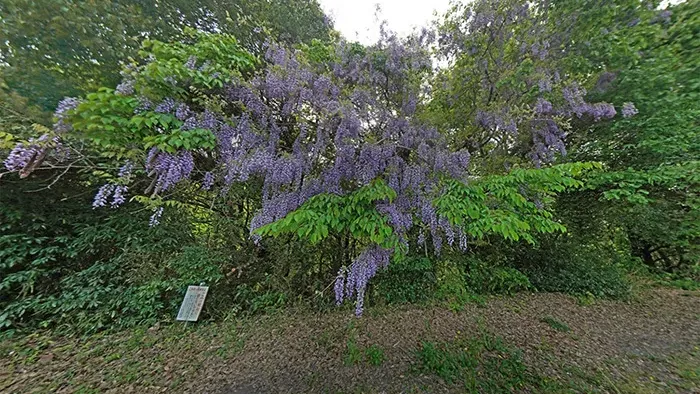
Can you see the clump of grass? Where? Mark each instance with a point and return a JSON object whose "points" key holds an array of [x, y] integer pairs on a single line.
{"points": [[555, 324], [374, 355], [353, 354], [483, 364]]}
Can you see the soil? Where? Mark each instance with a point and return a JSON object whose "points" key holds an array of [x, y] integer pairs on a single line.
{"points": [[650, 344]]}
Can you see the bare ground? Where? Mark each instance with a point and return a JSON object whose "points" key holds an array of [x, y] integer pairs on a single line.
{"points": [[648, 345]]}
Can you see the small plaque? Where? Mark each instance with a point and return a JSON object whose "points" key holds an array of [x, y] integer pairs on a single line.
{"points": [[193, 303]]}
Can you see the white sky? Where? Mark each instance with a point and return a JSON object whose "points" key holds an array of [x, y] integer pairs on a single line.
{"points": [[355, 19]]}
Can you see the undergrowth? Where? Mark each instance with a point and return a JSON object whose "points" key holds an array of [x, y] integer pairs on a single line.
{"points": [[481, 364]]}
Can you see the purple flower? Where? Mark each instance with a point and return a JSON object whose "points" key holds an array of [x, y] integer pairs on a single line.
{"points": [[126, 169], [362, 269], [338, 286], [102, 195], [602, 111], [62, 111], [190, 124], [208, 180], [166, 106], [463, 242], [629, 110], [118, 198], [169, 168], [125, 88], [155, 218], [664, 16], [144, 105], [543, 106], [191, 63], [421, 238], [23, 154], [183, 112], [65, 105]]}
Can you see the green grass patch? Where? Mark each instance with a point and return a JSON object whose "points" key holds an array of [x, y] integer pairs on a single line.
{"points": [[555, 324], [353, 353], [481, 364], [374, 355]]}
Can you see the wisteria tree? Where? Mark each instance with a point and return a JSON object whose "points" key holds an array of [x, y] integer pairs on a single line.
{"points": [[334, 137], [508, 93]]}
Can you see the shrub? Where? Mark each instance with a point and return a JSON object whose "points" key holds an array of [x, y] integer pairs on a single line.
{"points": [[452, 286], [409, 281], [578, 270], [353, 353], [483, 278]]}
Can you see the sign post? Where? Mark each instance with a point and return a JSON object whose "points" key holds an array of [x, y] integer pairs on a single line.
{"points": [[193, 303]]}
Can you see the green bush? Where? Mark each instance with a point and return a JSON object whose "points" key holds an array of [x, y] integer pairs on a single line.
{"points": [[578, 270], [452, 286], [409, 281], [353, 353], [68, 267], [483, 278], [259, 298]]}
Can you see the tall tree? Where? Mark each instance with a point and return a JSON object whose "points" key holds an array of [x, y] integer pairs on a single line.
{"points": [[652, 184], [53, 49]]}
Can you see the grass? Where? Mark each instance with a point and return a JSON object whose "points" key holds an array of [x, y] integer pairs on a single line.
{"points": [[374, 355], [135, 357], [353, 353], [481, 364], [555, 324], [485, 364], [172, 357]]}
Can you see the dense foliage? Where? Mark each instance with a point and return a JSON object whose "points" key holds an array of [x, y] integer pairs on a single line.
{"points": [[86, 52], [277, 165]]}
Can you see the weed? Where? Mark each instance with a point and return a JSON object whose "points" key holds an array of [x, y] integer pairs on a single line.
{"points": [[585, 299], [82, 389], [680, 283], [410, 281], [353, 354], [482, 364], [374, 355], [112, 357], [231, 344], [555, 324]]}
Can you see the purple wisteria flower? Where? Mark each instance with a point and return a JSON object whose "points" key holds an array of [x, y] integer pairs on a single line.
{"points": [[126, 169], [155, 218], [23, 154], [103, 195], [191, 63], [629, 110], [62, 111], [166, 106], [208, 180], [355, 278], [125, 88], [169, 168], [119, 196]]}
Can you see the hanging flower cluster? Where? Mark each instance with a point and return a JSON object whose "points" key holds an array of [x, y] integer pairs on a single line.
{"points": [[518, 97]]}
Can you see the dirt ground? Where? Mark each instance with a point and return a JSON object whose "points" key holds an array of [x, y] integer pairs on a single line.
{"points": [[648, 345]]}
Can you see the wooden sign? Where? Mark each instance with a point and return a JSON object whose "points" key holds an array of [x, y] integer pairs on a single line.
{"points": [[193, 303]]}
